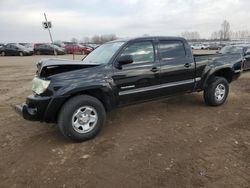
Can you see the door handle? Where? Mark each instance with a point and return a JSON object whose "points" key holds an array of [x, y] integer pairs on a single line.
{"points": [[154, 69], [187, 65]]}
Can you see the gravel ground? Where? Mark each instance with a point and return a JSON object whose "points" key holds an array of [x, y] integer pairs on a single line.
{"points": [[174, 142]]}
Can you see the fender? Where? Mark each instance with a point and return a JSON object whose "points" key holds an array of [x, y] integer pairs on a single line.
{"points": [[226, 70]]}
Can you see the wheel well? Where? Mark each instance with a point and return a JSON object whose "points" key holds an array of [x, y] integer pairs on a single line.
{"points": [[97, 93], [225, 73]]}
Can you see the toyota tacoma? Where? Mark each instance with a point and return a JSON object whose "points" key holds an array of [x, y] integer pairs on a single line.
{"points": [[77, 94]]}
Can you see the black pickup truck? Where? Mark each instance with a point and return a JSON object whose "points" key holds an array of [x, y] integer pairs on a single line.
{"points": [[77, 94]]}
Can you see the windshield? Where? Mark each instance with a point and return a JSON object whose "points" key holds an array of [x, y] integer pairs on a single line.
{"points": [[231, 50], [103, 53]]}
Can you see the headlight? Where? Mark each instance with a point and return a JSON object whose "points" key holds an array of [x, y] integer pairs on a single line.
{"points": [[39, 85]]}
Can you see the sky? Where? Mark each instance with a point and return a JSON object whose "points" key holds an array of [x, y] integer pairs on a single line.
{"points": [[21, 20]]}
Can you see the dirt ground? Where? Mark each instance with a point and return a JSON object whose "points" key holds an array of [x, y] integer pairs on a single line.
{"points": [[175, 142]]}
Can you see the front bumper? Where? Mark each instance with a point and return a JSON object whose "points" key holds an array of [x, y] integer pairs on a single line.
{"points": [[40, 108], [34, 109], [26, 112]]}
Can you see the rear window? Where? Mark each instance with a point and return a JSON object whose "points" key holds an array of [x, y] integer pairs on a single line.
{"points": [[171, 50]]}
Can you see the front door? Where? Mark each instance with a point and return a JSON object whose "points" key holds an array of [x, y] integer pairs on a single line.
{"points": [[134, 81]]}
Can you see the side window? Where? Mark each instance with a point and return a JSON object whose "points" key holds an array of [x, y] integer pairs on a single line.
{"points": [[42, 46], [13, 47], [141, 51], [171, 50]]}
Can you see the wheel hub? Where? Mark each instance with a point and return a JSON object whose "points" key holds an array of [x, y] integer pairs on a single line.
{"points": [[220, 92], [84, 119]]}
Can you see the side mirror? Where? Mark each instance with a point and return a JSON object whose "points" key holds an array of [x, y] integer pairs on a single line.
{"points": [[124, 60]]}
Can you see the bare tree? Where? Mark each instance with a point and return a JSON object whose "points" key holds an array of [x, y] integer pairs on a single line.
{"points": [[191, 35], [85, 40], [74, 40], [95, 39], [103, 38], [225, 29], [240, 35]]}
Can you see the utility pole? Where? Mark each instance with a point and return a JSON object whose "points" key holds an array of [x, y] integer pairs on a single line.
{"points": [[49, 26]]}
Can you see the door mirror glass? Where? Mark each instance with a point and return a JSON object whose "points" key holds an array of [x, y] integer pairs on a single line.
{"points": [[126, 59]]}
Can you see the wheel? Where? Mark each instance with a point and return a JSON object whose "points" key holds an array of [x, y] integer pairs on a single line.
{"points": [[38, 53], [20, 53], [217, 91], [3, 54], [81, 118], [55, 53]]}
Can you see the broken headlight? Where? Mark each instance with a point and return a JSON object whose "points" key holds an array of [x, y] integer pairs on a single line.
{"points": [[39, 85]]}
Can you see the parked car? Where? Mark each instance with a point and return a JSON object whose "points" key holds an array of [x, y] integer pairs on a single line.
{"points": [[78, 94], [247, 57], [48, 49], [214, 46], [77, 49], [60, 45], [94, 46], [15, 49], [28, 45], [37, 44], [244, 50], [199, 46]]}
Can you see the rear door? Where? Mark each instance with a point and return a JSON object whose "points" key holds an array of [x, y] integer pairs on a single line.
{"points": [[177, 67], [136, 81]]}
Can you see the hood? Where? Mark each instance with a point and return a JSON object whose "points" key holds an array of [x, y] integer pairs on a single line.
{"points": [[49, 67]]}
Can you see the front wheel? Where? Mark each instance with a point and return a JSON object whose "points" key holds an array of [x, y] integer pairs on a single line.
{"points": [[217, 91], [20, 53], [3, 54], [81, 118]]}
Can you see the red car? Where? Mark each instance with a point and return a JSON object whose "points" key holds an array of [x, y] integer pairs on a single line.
{"points": [[77, 48]]}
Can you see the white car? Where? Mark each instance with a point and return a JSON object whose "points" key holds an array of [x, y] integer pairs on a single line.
{"points": [[199, 46]]}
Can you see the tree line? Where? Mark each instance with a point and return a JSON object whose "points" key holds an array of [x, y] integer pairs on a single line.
{"points": [[224, 34], [97, 39]]}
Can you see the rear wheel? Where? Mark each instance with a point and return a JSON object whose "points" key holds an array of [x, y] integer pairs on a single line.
{"points": [[3, 54], [20, 53], [217, 91], [81, 118]]}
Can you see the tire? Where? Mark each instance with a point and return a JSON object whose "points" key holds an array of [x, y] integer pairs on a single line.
{"points": [[69, 117], [38, 53], [216, 92], [3, 54], [20, 53]]}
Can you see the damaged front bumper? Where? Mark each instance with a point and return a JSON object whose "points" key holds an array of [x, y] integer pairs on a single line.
{"points": [[34, 109]]}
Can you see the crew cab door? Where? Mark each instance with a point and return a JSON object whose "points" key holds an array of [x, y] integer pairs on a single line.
{"points": [[177, 67], [134, 81]]}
